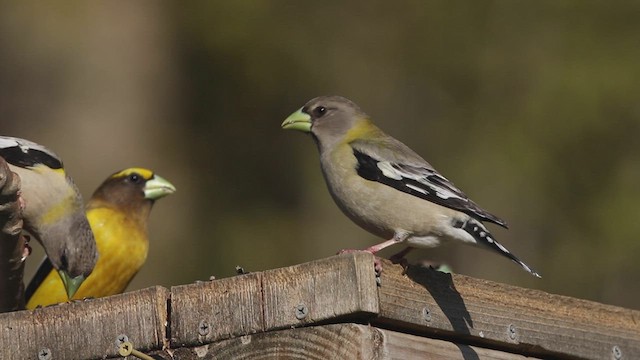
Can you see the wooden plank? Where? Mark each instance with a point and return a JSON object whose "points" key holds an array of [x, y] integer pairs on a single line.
{"points": [[327, 289], [321, 290], [403, 346], [338, 341], [214, 310], [484, 312], [87, 329]]}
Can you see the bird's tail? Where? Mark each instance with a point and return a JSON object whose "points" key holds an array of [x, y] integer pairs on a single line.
{"points": [[484, 237]]}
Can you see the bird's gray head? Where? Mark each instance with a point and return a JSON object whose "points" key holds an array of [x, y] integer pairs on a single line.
{"points": [[71, 248], [327, 118]]}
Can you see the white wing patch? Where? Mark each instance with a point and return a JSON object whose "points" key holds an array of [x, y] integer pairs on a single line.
{"points": [[389, 171], [24, 145], [433, 182], [416, 188]]}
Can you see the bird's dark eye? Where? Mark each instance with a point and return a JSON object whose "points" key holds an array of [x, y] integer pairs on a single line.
{"points": [[319, 111], [134, 178]]}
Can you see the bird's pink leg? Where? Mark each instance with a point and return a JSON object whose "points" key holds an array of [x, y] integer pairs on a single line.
{"points": [[377, 265]]}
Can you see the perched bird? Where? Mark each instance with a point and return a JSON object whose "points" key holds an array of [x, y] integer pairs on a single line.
{"points": [[118, 213], [385, 187], [54, 210]]}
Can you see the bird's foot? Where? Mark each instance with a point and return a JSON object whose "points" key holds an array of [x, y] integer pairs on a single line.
{"points": [[26, 251], [240, 270], [377, 264]]}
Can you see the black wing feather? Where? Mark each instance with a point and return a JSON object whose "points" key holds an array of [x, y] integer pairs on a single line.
{"points": [[427, 188], [14, 155], [43, 270]]}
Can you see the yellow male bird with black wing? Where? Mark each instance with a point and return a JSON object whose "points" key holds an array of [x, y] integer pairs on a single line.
{"points": [[118, 213], [53, 210]]}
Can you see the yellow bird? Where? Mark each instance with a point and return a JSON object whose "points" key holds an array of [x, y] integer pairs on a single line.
{"points": [[118, 212]]}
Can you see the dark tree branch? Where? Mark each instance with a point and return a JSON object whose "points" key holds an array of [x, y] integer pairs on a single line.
{"points": [[12, 243]]}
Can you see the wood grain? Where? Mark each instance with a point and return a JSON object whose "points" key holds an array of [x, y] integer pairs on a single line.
{"points": [[311, 310], [214, 310], [498, 315], [326, 289], [87, 329], [338, 341]]}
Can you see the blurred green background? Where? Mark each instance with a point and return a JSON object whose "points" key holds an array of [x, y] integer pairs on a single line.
{"points": [[530, 107]]}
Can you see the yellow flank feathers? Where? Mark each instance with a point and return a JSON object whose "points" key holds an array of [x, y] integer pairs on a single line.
{"points": [[145, 173]]}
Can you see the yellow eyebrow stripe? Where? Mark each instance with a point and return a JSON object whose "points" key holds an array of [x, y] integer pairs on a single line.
{"points": [[145, 173]]}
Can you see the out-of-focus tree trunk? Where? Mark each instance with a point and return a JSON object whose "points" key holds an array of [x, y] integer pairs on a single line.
{"points": [[12, 243]]}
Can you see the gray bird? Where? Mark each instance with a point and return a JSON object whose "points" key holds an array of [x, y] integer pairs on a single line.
{"points": [[54, 210], [385, 187]]}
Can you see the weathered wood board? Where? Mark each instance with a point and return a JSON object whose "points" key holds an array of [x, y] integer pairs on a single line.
{"points": [[274, 299], [329, 308], [484, 312], [87, 329], [346, 341]]}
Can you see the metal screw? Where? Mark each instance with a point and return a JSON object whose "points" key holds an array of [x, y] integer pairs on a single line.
{"points": [[426, 314], [512, 332], [44, 354], [121, 339], [126, 349], [203, 328], [617, 353], [301, 311]]}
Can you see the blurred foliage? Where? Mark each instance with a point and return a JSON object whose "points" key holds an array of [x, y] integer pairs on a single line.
{"points": [[530, 107]]}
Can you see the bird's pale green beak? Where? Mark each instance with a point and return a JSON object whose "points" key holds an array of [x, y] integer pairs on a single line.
{"points": [[158, 187], [71, 285], [298, 121]]}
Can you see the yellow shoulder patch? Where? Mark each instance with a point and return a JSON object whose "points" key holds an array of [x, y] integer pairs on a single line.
{"points": [[145, 173], [363, 128]]}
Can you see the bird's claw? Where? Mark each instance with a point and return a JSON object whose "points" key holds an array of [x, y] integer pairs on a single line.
{"points": [[377, 264]]}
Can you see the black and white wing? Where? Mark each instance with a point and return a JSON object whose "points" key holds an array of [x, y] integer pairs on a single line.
{"points": [[421, 181], [24, 153]]}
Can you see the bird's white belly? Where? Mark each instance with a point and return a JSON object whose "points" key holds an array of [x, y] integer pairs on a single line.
{"points": [[424, 241]]}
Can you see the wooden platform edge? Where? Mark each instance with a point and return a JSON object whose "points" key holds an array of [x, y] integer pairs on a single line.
{"points": [[323, 290], [336, 290], [338, 341], [490, 314]]}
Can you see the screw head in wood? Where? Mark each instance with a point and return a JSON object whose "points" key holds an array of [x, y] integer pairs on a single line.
{"points": [[426, 314], [301, 311], [204, 328], [512, 332], [121, 339], [617, 353], [44, 354]]}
